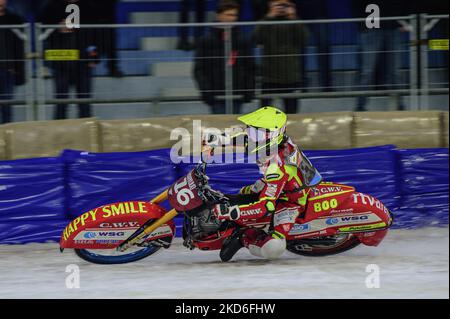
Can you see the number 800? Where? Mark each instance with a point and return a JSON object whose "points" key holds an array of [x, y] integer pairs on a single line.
{"points": [[325, 205]]}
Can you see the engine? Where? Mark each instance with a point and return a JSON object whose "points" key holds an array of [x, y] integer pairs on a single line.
{"points": [[203, 223]]}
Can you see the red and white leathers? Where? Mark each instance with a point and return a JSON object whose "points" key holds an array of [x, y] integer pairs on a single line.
{"points": [[282, 193]]}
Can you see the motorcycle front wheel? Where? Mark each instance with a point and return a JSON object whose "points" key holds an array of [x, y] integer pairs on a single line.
{"points": [[112, 256]]}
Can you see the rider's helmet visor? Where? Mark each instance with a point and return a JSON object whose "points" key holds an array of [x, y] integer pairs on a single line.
{"points": [[257, 134], [261, 134]]}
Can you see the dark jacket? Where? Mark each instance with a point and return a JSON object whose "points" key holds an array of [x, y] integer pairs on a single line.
{"points": [[12, 48], [282, 45], [81, 39], [209, 67]]}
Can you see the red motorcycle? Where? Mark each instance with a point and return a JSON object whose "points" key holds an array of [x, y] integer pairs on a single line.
{"points": [[337, 218]]}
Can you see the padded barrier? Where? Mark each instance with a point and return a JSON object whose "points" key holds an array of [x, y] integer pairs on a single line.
{"points": [[32, 190], [406, 129], [445, 129], [322, 130], [49, 138], [424, 189], [314, 131], [2, 144], [137, 135], [31, 231], [96, 179], [412, 183], [311, 131]]}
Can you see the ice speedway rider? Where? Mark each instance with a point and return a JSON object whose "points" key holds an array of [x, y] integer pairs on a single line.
{"points": [[281, 192]]}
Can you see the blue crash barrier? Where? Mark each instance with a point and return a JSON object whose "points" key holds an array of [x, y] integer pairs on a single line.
{"points": [[38, 197], [96, 179], [32, 190], [30, 231], [424, 189]]}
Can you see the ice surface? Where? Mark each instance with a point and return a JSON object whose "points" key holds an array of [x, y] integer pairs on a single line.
{"points": [[413, 264]]}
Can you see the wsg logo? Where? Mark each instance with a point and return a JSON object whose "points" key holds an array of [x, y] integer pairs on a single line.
{"points": [[334, 221]]}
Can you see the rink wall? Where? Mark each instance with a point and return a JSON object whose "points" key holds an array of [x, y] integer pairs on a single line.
{"points": [[314, 131], [39, 196]]}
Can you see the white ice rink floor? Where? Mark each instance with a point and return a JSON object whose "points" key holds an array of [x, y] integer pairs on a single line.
{"points": [[412, 264]]}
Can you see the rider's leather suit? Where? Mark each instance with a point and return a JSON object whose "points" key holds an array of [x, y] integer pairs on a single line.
{"points": [[282, 192]]}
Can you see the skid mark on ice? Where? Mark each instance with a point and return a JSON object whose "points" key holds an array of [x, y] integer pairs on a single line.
{"points": [[413, 264]]}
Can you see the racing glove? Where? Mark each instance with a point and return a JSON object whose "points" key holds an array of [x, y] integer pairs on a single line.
{"points": [[255, 188], [226, 212]]}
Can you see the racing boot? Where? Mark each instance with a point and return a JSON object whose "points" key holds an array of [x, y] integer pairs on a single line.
{"points": [[231, 246]]}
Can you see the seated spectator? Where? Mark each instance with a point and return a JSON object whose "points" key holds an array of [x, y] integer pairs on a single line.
{"points": [[209, 68], [282, 47], [11, 60]]}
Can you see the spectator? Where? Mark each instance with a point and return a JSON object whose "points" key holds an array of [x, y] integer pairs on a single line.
{"points": [[319, 34], [105, 13], [282, 47], [75, 71], [200, 8], [209, 68], [11, 60], [373, 42]]}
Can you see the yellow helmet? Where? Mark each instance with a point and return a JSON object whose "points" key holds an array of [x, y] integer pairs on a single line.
{"points": [[265, 126]]}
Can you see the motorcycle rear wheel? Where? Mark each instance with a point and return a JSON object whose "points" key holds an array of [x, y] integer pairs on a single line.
{"points": [[316, 247]]}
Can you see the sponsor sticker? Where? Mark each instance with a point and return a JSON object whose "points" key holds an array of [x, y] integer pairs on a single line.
{"points": [[89, 242], [161, 231], [284, 217], [362, 227], [332, 221], [342, 211], [271, 190], [351, 219], [95, 234], [250, 212], [126, 224], [106, 212], [317, 191], [299, 229], [360, 198]]}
